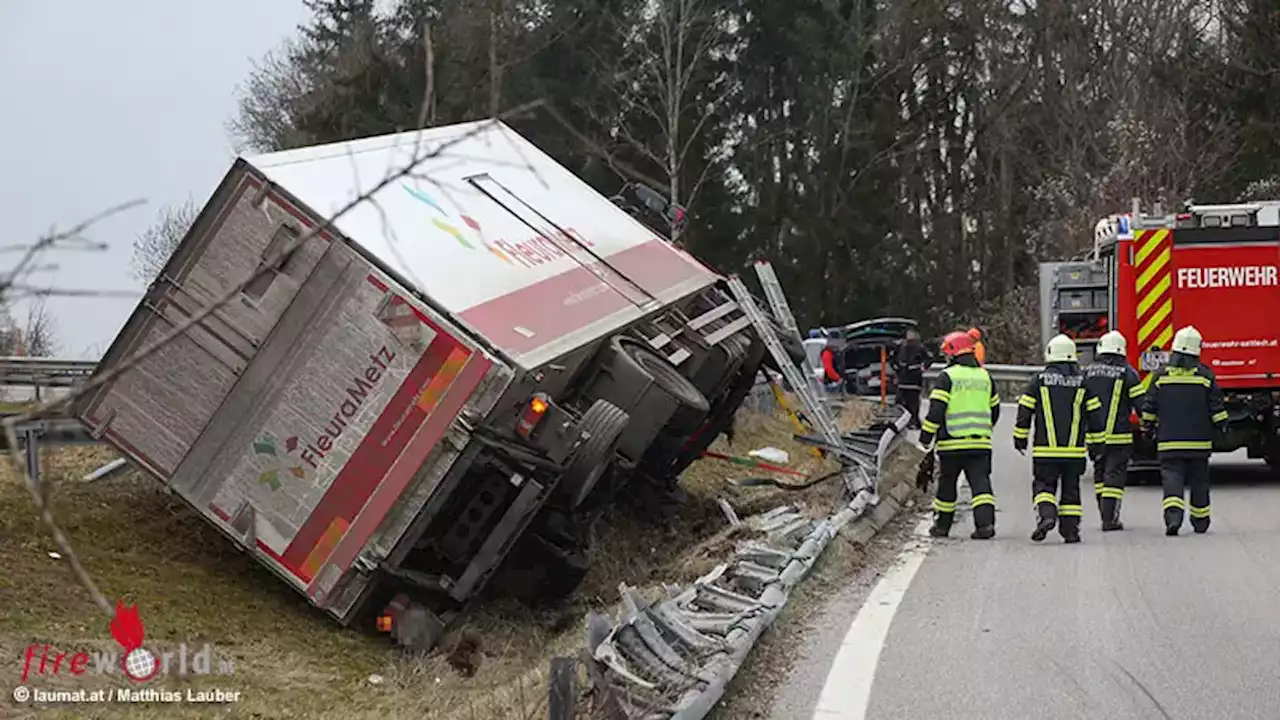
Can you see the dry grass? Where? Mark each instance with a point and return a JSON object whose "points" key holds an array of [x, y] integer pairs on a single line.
{"points": [[191, 585]]}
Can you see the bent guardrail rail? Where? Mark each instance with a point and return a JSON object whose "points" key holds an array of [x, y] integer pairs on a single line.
{"points": [[673, 657], [44, 372]]}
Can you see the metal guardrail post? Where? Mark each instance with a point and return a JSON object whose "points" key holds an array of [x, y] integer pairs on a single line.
{"points": [[31, 439], [562, 691]]}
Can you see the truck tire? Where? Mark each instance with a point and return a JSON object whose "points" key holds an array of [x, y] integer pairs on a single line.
{"points": [[600, 430], [664, 374]]}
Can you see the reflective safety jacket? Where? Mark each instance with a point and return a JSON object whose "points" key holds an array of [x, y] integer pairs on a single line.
{"points": [[963, 407], [1110, 379], [1184, 401], [1064, 411]]}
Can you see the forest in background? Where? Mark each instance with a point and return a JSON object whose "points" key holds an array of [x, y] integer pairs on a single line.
{"points": [[915, 158]]}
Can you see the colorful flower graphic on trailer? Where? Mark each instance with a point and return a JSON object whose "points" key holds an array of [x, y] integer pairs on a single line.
{"points": [[280, 462], [453, 231]]}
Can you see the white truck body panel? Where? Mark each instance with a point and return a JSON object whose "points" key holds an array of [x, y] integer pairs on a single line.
{"points": [[479, 227]]}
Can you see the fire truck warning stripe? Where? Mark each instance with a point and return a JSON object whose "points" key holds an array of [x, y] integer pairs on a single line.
{"points": [[1165, 337], [1148, 243], [1157, 292], [1158, 265], [1153, 324]]}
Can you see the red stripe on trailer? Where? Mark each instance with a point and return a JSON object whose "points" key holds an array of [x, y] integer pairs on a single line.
{"points": [[547, 311], [375, 455], [403, 470]]}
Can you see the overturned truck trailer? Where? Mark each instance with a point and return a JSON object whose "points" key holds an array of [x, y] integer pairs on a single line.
{"points": [[452, 380]]}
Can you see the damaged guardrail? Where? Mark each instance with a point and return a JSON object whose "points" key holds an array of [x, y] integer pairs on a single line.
{"points": [[672, 658]]}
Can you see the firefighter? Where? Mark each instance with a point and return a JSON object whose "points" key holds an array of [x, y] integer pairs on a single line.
{"points": [[963, 408], [909, 363], [979, 348], [1065, 412], [1116, 384], [1184, 403]]}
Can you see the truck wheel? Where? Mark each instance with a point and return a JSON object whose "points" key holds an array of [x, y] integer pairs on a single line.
{"points": [[599, 431], [664, 374]]}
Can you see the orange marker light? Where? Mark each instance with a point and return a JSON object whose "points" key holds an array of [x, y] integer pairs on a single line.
{"points": [[538, 405], [384, 623]]}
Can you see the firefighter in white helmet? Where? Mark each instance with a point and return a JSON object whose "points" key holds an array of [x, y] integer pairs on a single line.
{"points": [[1185, 404], [1116, 384], [1064, 412]]}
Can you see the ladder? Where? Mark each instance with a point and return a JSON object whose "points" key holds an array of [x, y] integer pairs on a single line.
{"points": [[816, 411], [777, 300], [782, 311]]}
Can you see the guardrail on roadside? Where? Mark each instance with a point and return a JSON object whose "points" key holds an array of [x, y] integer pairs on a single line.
{"points": [[673, 656], [44, 372]]}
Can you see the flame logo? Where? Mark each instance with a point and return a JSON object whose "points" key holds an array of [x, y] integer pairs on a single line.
{"points": [[127, 629], [455, 232]]}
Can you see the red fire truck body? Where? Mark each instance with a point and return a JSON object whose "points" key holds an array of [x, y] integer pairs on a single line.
{"points": [[1213, 267]]}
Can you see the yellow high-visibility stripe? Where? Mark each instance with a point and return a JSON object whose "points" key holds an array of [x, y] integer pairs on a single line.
{"points": [[1046, 407], [940, 394], [1196, 512], [1149, 243], [1174, 502], [1075, 416], [1220, 416], [1116, 387], [1045, 498], [1070, 511], [983, 499], [1021, 433], [1027, 401], [943, 506], [1158, 264], [929, 426], [1153, 323], [1069, 453], [1156, 292], [1184, 445], [1111, 492]]}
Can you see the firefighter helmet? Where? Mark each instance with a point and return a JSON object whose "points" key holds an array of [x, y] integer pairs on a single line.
{"points": [[957, 343], [1060, 349], [975, 333], [1187, 341], [1112, 343]]}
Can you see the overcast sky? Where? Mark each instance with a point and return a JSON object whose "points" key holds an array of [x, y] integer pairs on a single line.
{"points": [[107, 102]]}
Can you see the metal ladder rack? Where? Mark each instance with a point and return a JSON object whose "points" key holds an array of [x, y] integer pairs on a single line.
{"points": [[777, 300], [817, 412], [782, 311]]}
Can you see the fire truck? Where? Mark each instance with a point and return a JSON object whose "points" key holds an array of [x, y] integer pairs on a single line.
{"points": [[1211, 266]]}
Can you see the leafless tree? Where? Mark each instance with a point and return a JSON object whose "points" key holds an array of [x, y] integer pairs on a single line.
{"points": [[664, 80], [151, 250]]}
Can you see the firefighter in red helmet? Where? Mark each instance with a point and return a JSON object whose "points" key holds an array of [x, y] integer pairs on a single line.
{"points": [[963, 408]]}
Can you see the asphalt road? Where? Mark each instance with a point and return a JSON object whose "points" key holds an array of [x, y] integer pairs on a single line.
{"points": [[1122, 626]]}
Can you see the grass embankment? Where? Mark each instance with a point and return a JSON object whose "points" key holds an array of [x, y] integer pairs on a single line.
{"points": [[192, 586]]}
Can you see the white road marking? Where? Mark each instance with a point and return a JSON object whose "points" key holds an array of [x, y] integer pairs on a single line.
{"points": [[847, 692]]}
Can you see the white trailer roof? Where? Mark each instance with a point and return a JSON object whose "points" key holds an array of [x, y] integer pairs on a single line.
{"points": [[479, 227]]}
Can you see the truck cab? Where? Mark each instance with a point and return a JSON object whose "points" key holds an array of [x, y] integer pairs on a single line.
{"points": [[1214, 267]]}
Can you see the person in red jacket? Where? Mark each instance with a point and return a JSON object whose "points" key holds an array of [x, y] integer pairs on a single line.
{"points": [[831, 375]]}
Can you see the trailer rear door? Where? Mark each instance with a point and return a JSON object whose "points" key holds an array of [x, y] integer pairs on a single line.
{"points": [[1225, 283]]}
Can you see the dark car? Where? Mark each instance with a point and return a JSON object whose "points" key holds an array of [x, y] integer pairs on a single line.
{"points": [[860, 346]]}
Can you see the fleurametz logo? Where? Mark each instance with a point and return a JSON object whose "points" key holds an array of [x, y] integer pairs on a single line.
{"points": [[455, 232], [283, 462]]}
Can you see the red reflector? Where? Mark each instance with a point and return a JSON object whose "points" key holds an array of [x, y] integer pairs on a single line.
{"points": [[384, 623]]}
